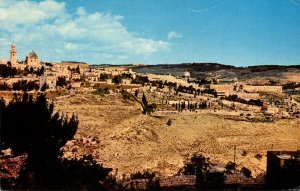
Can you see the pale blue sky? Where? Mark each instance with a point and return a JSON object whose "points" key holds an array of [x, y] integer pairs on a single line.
{"points": [[235, 32]]}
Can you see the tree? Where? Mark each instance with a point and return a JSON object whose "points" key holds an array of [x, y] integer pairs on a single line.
{"points": [[37, 126], [40, 71], [4, 87], [103, 76], [151, 183], [61, 81], [44, 87], [117, 79], [197, 165], [7, 71], [144, 100], [136, 93], [169, 122], [150, 108], [31, 126], [230, 166], [77, 69], [246, 172]]}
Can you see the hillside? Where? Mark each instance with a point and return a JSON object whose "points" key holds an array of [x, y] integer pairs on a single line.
{"points": [[119, 136], [253, 74]]}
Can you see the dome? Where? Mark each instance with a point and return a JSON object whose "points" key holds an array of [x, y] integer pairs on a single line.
{"points": [[32, 54], [186, 74]]}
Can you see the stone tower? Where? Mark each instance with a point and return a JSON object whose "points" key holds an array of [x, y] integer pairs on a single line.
{"points": [[13, 55]]}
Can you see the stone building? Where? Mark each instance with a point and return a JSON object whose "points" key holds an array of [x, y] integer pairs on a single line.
{"points": [[13, 56], [32, 60], [49, 80], [262, 89], [283, 169], [92, 77], [75, 76], [186, 75], [126, 81], [222, 87]]}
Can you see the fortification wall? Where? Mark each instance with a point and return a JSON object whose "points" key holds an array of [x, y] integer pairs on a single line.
{"points": [[222, 87], [262, 89]]}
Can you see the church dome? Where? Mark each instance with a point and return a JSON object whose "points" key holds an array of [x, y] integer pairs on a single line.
{"points": [[32, 54], [186, 74]]}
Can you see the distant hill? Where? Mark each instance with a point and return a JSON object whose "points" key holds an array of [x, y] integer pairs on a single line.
{"points": [[72, 62], [262, 68], [195, 66], [201, 70]]}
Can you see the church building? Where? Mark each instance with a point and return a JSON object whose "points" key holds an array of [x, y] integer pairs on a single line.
{"points": [[32, 60], [13, 56]]}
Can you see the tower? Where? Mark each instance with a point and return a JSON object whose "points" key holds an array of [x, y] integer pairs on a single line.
{"points": [[13, 55]]}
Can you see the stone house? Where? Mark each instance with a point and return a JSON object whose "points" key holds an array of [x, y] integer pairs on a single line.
{"points": [[75, 76], [49, 80]]}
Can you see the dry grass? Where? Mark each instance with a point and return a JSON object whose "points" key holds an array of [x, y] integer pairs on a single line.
{"points": [[130, 141]]}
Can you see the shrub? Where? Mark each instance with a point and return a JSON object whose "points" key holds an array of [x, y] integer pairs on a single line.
{"points": [[142, 175], [244, 153], [152, 183], [150, 108], [195, 164], [101, 91], [98, 92], [246, 172], [230, 166], [258, 156], [127, 96], [169, 122]]}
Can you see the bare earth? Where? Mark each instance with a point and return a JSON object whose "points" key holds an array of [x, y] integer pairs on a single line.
{"points": [[129, 141]]}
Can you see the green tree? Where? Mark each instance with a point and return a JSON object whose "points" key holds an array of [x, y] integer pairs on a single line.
{"points": [[31, 126]]}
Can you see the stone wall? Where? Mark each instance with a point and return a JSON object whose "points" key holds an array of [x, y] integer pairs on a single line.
{"points": [[176, 181], [223, 87], [262, 89]]}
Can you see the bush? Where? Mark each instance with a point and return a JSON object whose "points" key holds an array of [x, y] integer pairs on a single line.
{"points": [[230, 166], [195, 164], [169, 122], [150, 108], [244, 153], [246, 172], [127, 96], [142, 175], [152, 184], [198, 165], [258, 156], [101, 91]]}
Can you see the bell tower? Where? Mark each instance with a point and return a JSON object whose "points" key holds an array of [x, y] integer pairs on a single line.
{"points": [[13, 54]]}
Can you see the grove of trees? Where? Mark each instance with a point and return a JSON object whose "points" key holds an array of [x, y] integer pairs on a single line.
{"points": [[30, 126]]}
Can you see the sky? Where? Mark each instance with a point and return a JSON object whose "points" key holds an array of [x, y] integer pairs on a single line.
{"points": [[232, 32]]}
